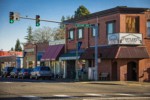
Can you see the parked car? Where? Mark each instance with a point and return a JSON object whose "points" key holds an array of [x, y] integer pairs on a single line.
{"points": [[14, 72], [24, 73], [6, 71], [41, 72]]}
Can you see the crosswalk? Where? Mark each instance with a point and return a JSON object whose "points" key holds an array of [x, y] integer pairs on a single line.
{"points": [[94, 96]]}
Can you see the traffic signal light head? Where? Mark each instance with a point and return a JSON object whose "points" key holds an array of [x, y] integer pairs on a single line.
{"points": [[11, 17], [37, 20]]}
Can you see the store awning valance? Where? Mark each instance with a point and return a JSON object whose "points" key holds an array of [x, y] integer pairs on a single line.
{"points": [[110, 52], [71, 55], [53, 52]]}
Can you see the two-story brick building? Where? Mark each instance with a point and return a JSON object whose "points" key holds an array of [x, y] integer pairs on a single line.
{"points": [[123, 43]]}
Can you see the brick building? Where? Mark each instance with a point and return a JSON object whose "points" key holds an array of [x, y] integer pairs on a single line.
{"points": [[33, 54], [123, 43]]}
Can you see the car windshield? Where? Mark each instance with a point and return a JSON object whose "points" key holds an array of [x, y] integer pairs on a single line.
{"points": [[45, 68]]}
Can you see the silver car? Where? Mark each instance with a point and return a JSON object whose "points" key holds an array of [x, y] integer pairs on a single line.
{"points": [[41, 72]]}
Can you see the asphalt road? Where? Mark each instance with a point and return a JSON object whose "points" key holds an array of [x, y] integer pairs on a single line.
{"points": [[26, 89]]}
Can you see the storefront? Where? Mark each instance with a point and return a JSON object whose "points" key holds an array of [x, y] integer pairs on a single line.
{"points": [[51, 59]]}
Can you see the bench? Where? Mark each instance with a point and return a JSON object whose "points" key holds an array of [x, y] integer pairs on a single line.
{"points": [[103, 76]]}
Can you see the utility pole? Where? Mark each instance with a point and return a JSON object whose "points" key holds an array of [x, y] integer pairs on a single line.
{"points": [[96, 52]]}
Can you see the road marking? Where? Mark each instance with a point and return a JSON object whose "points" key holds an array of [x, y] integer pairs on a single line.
{"points": [[61, 95], [125, 94], [91, 94], [7, 82], [30, 96]]}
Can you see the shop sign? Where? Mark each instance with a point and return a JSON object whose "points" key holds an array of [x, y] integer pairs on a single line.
{"points": [[29, 50], [125, 38]]}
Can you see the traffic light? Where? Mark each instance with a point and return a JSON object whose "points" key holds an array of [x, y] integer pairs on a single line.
{"points": [[11, 17], [37, 20]]}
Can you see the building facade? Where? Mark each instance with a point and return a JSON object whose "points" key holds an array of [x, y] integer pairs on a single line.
{"points": [[33, 54], [123, 43], [51, 58], [11, 58]]}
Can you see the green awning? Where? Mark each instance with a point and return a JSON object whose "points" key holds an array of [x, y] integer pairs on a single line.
{"points": [[69, 56]]}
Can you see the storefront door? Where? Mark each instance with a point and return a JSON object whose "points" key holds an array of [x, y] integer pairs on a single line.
{"points": [[71, 69], [132, 71], [114, 71]]}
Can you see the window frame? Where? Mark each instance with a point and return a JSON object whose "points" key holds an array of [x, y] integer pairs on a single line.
{"points": [[148, 29], [69, 36], [136, 25], [113, 22], [95, 30], [82, 29]]}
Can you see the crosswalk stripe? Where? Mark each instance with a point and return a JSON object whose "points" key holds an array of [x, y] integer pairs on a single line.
{"points": [[61, 95], [91, 94], [125, 94]]}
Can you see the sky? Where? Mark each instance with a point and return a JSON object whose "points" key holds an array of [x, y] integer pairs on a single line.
{"points": [[48, 10]]}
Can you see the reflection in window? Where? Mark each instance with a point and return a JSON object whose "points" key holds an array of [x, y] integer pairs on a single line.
{"points": [[148, 28], [110, 27], [132, 24], [80, 33], [71, 34], [93, 32]]}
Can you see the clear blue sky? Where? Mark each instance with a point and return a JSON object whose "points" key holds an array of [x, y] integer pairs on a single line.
{"points": [[50, 10]]}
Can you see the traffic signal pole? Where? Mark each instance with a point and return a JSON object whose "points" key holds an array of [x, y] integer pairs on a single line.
{"points": [[40, 20]]}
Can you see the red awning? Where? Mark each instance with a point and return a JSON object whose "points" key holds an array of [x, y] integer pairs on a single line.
{"points": [[53, 52], [110, 52]]}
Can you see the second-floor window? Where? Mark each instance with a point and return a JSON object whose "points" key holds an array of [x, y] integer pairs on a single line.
{"points": [[148, 28], [71, 35], [80, 33], [110, 27], [132, 24], [93, 31]]}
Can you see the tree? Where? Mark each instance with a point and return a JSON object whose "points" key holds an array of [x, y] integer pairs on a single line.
{"points": [[59, 34], [12, 49], [29, 37], [62, 26], [44, 34], [81, 11], [18, 46]]}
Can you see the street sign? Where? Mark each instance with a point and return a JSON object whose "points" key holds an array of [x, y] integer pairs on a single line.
{"points": [[83, 25]]}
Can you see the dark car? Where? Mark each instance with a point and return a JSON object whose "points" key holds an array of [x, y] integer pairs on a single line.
{"points": [[41, 72], [14, 72], [6, 71], [24, 73]]}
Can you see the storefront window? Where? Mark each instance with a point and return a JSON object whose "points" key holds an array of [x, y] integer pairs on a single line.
{"points": [[148, 28], [132, 24]]}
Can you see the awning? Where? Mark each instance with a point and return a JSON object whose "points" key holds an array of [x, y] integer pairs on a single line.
{"points": [[53, 52], [110, 52], [71, 55]]}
